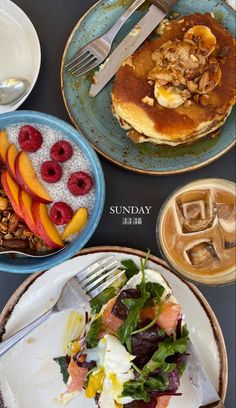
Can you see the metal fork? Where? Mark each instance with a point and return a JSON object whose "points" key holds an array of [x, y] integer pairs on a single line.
{"points": [[96, 51], [76, 293]]}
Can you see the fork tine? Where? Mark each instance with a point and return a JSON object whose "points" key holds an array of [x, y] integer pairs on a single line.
{"points": [[79, 61], [94, 65], [90, 270], [92, 277], [86, 66], [78, 55], [94, 283], [105, 285]]}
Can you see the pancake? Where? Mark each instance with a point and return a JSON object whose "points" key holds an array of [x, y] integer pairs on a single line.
{"points": [[179, 98]]}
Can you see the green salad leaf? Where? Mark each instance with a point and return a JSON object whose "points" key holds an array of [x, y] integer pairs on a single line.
{"points": [[166, 349], [156, 291], [63, 367], [92, 336], [136, 390], [102, 299], [140, 389], [134, 306], [131, 268]]}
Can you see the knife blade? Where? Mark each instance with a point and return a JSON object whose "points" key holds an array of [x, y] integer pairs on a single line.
{"points": [[201, 382], [130, 44]]}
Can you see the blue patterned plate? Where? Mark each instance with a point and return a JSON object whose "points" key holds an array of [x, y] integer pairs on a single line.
{"points": [[93, 115]]}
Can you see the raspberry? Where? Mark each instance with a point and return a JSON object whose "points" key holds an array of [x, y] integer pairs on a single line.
{"points": [[51, 171], [61, 151], [30, 139], [61, 213], [80, 183]]}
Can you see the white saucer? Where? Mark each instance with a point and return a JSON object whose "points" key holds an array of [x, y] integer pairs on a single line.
{"points": [[20, 54]]}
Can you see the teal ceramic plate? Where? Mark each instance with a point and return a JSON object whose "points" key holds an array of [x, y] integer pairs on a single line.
{"points": [[93, 115]]}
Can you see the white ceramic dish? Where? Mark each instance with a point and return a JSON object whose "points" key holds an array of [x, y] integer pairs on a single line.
{"points": [[20, 54], [28, 372]]}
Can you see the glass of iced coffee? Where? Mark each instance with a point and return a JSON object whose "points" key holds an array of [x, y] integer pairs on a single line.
{"points": [[196, 231]]}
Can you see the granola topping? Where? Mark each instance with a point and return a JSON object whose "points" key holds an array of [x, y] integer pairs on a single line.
{"points": [[185, 68], [14, 234]]}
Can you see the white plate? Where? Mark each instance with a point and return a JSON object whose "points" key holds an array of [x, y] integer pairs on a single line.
{"points": [[20, 54], [28, 372]]}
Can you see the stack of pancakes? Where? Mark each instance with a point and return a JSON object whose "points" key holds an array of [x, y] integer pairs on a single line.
{"points": [[179, 87]]}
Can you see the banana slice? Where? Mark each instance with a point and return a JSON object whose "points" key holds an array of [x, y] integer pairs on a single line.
{"points": [[203, 37], [168, 97]]}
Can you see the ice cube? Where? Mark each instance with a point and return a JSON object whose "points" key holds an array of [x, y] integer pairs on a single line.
{"points": [[226, 213], [202, 254], [196, 211]]}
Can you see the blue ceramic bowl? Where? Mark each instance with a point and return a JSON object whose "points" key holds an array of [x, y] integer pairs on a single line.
{"points": [[23, 264]]}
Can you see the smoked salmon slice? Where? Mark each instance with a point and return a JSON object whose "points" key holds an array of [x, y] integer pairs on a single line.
{"points": [[168, 318], [163, 401], [77, 375], [110, 321]]}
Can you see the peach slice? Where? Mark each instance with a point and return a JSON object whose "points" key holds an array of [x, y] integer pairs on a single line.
{"points": [[27, 179], [4, 144], [11, 155], [25, 202], [46, 229], [77, 222], [12, 191]]}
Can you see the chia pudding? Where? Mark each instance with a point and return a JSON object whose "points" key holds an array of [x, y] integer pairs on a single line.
{"points": [[59, 189]]}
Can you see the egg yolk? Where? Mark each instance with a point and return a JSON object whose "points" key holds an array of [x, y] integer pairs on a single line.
{"points": [[95, 384]]}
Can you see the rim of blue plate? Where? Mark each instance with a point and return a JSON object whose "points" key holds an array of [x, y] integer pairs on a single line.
{"points": [[118, 162], [24, 264]]}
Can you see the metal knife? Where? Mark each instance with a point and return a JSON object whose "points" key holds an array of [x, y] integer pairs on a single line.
{"points": [[130, 43], [201, 382]]}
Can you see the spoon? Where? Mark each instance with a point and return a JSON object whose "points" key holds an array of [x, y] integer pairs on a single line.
{"points": [[30, 253], [12, 90]]}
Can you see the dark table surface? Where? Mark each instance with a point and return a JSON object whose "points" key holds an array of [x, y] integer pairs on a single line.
{"points": [[54, 20]]}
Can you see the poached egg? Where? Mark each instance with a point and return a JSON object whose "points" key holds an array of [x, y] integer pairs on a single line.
{"points": [[115, 362]]}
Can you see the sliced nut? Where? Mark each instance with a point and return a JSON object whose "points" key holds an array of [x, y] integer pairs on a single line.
{"points": [[204, 81], [3, 227], [192, 86], [204, 51], [194, 58], [193, 73], [191, 42], [210, 86], [3, 203], [13, 223], [196, 98], [148, 101], [27, 234], [8, 236]]}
